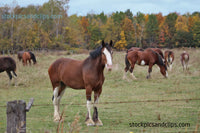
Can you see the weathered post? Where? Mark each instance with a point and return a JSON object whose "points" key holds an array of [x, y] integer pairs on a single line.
{"points": [[16, 115]]}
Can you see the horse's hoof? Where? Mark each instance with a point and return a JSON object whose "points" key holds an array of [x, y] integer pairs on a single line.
{"points": [[148, 77], [56, 119], [98, 123], [90, 122]]}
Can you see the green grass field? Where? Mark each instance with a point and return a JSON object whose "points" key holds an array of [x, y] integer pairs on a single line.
{"points": [[121, 102]]}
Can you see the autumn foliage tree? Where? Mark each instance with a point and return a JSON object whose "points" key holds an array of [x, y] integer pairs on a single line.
{"points": [[121, 44], [55, 29]]}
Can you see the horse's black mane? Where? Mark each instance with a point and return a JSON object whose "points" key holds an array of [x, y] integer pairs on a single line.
{"points": [[160, 61], [94, 54], [32, 57]]}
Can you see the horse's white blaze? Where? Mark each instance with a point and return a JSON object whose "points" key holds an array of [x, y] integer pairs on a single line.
{"points": [[89, 106], [170, 59], [108, 57], [142, 63]]}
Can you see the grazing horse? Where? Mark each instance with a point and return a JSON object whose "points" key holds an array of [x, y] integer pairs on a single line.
{"points": [[19, 55], [146, 57], [87, 74], [140, 49], [28, 56], [8, 64], [169, 58], [185, 60]]}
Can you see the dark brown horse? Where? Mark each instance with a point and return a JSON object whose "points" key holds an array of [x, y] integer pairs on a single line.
{"points": [[146, 57], [28, 56], [169, 58], [184, 60], [19, 55], [87, 74], [8, 64]]}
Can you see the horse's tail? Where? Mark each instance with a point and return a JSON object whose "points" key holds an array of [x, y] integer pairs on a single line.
{"points": [[127, 62], [33, 57]]}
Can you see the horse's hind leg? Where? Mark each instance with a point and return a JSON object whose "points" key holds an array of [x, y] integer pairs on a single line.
{"points": [[95, 114], [57, 95], [15, 77], [131, 71], [149, 71], [10, 77]]}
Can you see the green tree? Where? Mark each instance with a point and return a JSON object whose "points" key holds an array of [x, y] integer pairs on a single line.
{"points": [[170, 22], [152, 29]]}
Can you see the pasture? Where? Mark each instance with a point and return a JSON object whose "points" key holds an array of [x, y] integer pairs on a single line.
{"points": [[158, 100]]}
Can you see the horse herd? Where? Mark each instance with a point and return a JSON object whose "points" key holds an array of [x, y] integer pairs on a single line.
{"points": [[88, 74]]}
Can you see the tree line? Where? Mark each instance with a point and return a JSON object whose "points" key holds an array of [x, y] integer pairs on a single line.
{"points": [[49, 26]]}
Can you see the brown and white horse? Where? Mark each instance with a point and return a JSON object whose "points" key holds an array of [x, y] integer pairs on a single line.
{"points": [[146, 57], [87, 74], [159, 51], [169, 58], [184, 60], [8, 64]]}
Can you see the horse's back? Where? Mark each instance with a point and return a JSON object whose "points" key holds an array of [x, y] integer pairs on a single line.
{"points": [[26, 55]]}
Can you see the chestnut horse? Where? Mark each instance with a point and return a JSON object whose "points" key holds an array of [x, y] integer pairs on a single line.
{"points": [[8, 64], [87, 74], [146, 57], [28, 56], [185, 60], [169, 58]]}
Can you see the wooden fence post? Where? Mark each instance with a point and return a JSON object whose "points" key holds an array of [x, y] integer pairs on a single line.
{"points": [[16, 115]]}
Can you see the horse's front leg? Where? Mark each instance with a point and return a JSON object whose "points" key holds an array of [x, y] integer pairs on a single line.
{"points": [[89, 121], [29, 62], [95, 114], [149, 71]]}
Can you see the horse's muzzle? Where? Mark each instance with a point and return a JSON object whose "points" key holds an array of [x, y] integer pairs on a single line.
{"points": [[109, 67]]}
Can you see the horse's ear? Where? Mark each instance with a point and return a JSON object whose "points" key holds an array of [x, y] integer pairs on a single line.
{"points": [[111, 43], [103, 43]]}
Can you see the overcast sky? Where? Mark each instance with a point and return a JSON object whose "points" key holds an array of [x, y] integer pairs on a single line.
{"points": [[82, 7]]}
